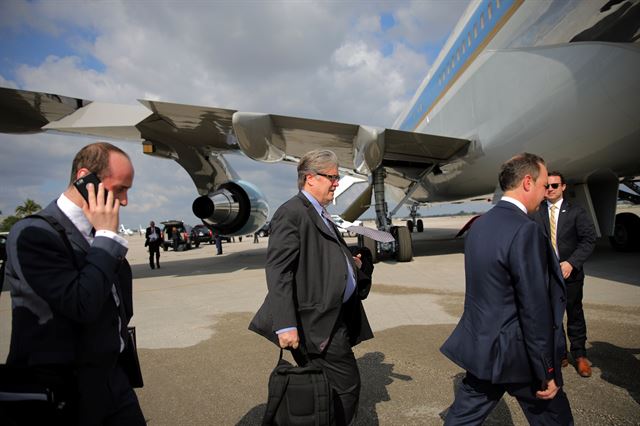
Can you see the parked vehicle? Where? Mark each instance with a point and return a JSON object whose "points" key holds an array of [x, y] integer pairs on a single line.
{"points": [[182, 242], [265, 230], [201, 234]]}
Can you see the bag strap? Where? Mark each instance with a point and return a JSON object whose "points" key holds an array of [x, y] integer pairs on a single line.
{"points": [[278, 392], [63, 233]]}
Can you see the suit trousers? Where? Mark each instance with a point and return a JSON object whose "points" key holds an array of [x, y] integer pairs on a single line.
{"points": [[475, 399], [340, 366], [154, 250], [576, 324], [106, 398]]}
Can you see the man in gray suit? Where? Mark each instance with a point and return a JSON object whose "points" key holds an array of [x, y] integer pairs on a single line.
{"points": [[510, 337], [71, 297], [315, 285]]}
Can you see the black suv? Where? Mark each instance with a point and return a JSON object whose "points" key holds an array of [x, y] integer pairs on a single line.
{"points": [[265, 230], [182, 240], [201, 234]]}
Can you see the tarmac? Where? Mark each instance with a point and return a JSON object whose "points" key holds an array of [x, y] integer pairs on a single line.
{"points": [[202, 366]]}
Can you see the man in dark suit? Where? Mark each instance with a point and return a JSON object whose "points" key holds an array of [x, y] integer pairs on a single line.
{"points": [[315, 285], [153, 239], [510, 337], [71, 298], [573, 238]]}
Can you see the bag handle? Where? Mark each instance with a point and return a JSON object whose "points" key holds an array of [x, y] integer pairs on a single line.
{"points": [[272, 404]]}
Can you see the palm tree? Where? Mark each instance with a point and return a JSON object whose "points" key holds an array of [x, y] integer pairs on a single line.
{"points": [[27, 208]]}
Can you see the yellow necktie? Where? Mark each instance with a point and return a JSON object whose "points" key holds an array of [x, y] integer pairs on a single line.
{"points": [[553, 226]]}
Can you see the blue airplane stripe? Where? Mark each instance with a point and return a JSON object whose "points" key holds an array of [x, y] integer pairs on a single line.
{"points": [[458, 58]]}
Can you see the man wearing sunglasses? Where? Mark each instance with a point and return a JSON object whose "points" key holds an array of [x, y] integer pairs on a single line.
{"points": [[573, 237]]}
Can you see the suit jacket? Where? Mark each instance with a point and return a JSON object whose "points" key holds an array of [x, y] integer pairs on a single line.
{"points": [[575, 235], [306, 279], [148, 232], [65, 313], [511, 329]]}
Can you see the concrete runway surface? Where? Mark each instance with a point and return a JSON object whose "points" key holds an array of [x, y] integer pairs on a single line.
{"points": [[202, 366]]}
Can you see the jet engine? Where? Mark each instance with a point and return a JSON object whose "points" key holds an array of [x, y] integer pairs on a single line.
{"points": [[236, 208]]}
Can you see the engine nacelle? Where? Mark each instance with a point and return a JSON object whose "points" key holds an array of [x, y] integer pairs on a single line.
{"points": [[234, 209]]}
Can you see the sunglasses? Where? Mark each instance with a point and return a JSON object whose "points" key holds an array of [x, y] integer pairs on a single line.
{"points": [[552, 185], [332, 178]]}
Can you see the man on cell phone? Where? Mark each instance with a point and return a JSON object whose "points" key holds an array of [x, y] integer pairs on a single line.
{"points": [[71, 292]]}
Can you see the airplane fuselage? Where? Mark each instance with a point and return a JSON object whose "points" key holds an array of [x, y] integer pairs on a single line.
{"points": [[509, 80]]}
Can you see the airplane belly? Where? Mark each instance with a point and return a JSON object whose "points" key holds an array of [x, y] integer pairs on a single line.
{"points": [[574, 105]]}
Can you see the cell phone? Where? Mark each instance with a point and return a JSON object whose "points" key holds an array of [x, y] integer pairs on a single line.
{"points": [[81, 185]]}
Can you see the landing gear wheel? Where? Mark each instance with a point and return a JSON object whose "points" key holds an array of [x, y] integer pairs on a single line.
{"points": [[403, 240], [626, 233], [410, 225], [419, 225]]}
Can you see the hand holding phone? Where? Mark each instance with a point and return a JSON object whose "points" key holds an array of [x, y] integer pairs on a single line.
{"points": [[81, 185], [101, 215]]}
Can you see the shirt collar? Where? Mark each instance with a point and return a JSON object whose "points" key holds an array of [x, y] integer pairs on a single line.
{"points": [[557, 203], [313, 201], [516, 203], [75, 215]]}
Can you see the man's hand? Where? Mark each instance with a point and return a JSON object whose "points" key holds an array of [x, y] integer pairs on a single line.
{"points": [[358, 260], [566, 269], [289, 339], [549, 392], [102, 211]]}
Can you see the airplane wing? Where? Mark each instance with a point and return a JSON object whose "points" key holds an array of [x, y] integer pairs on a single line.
{"points": [[195, 136]]}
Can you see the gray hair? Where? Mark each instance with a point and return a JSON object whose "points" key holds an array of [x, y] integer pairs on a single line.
{"points": [[314, 161]]}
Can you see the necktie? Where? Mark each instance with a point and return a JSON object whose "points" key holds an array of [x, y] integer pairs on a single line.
{"points": [[553, 227], [351, 281], [329, 222]]}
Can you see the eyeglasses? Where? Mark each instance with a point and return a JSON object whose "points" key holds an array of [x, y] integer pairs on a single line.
{"points": [[552, 185], [332, 178]]}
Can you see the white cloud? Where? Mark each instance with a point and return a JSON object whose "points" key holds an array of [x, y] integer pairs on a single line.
{"points": [[313, 59]]}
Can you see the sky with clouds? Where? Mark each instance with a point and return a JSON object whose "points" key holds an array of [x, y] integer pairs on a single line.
{"points": [[349, 61]]}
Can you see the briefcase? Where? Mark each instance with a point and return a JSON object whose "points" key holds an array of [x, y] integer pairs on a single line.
{"points": [[129, 359], [298, 396]]}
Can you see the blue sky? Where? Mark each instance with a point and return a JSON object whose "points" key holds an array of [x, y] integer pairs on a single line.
{"points": [[355, 62]]}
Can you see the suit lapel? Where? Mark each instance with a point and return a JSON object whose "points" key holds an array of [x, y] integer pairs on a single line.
{"points": [[562, 215], [315, 217]]}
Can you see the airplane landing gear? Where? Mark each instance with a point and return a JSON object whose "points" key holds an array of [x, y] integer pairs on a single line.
{"points": [[402, 247]]}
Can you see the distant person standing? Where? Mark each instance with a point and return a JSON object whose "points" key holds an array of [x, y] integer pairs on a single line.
{"points": [[153, 239], [175, 237], [573, 238], [218, 240], [510, 337]]}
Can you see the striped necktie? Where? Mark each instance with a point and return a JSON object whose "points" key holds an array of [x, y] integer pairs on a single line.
{"points": [[553, 227]]}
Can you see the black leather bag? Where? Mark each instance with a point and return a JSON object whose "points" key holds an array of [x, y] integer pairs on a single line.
{"points": [[129, 359], [298, 396]]}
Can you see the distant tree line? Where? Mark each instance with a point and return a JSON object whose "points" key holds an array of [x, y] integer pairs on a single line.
{"points": [[25, 209]]}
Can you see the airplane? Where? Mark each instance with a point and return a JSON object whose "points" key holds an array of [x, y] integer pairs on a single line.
{"points": [[122, 230], [556, 78]]}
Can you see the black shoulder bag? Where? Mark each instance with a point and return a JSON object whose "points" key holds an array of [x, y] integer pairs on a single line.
{"points": [[298, 396]]}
